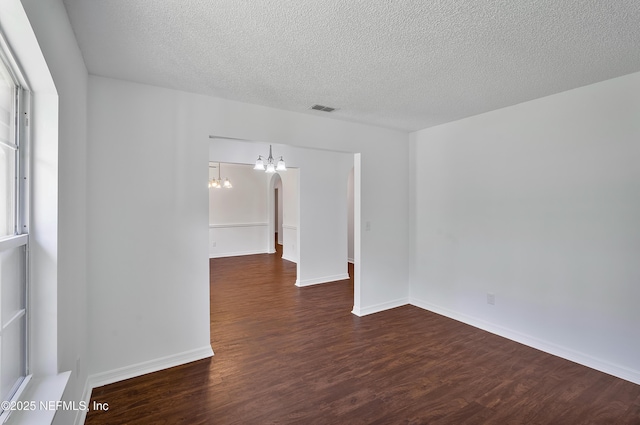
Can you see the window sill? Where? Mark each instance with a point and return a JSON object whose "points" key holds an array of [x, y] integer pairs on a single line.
{"points": [[40, 400]]}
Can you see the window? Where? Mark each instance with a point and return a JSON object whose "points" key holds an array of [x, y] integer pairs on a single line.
{"points": [[8, 150], [14, 238]]}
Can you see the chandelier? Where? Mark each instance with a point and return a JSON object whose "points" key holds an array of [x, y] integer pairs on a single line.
{"points": [[218, 183], [271, 166]]}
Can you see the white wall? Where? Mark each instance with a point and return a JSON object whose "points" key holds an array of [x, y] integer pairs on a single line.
{"points": [[537, 204], [238, 216], [58, 230], [315, 226], [148, 221], [245, 202], [230, 240], [279, 206], [290, 192], [240, 219], [385, 257], [150, 294], [322, 228], [291, 203], [350, 216]]}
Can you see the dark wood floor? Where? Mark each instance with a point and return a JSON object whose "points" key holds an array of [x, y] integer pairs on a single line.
{"points": [[297, 355]]}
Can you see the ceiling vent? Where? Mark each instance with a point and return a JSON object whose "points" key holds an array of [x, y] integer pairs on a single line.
{"points": [[323, 108]]}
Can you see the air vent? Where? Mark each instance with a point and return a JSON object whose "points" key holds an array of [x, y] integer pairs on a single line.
{"points": [[323, 108]]}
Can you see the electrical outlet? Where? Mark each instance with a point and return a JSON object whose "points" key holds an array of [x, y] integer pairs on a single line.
{"points": [[213, 244], [367, 226], [491, 299]]}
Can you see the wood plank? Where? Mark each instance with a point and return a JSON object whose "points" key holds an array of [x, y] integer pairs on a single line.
{"points": [[288, 355]]}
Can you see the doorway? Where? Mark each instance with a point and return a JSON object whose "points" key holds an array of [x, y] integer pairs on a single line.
{"points": [[275, 208], [278, 212], [316, 196]]}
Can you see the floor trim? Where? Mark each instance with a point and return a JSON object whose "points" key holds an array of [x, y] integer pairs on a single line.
{"points": [[81, 416], [120, 374], [364, 311], [286, 257], [530, 341], [324, 279], [238, 253]]}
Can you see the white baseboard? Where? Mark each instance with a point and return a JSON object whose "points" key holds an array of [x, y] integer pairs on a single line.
{"points": [[324, 279], [351, 260], [230, 225], [548, 347], [364, 311], [81, 415], [286, 257], [120, 374], [237, 254]]}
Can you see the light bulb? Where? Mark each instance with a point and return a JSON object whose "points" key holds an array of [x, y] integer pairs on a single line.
{"points": [[259, 164]]}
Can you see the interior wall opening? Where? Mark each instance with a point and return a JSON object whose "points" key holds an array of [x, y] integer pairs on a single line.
{"points": [[322, 237]]}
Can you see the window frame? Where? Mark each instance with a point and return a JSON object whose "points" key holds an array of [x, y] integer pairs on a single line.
{"points": [[20, 238]]}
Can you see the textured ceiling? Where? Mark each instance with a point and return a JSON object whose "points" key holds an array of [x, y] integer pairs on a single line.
{"points": [[399, 64]]}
